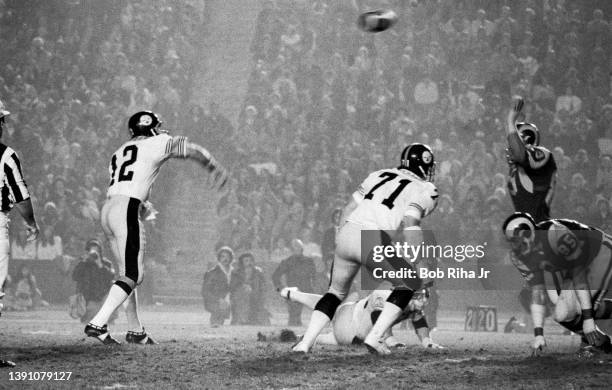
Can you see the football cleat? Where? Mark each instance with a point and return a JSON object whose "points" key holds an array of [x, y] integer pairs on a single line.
{"points": [[393, 342], [285, 292], [139, 338], [300, 346], [377, 347], [101, 333]]}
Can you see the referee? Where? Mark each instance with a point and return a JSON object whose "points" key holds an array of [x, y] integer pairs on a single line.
{"points": [[13, 192]]}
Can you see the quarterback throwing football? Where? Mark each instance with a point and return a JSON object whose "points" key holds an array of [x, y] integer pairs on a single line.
{"points": [[133, 169], [386, 201]]}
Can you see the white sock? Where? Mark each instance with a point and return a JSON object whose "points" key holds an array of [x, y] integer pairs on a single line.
{"points": [[318, 321], [386, 319], [116, 296], [306, 299], [131, 311]]}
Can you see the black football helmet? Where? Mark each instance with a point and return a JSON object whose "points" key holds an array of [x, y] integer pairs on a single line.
{"points": [[419, 159], [144, 123], [529, 132]]}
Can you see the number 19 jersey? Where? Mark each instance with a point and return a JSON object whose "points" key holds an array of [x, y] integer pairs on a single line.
{"points": [[387, 196], [135, 165]]}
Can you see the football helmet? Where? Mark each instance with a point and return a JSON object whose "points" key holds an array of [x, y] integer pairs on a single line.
{"points": [[419, 159], [520, 230], [529, 133], [144, 123]]}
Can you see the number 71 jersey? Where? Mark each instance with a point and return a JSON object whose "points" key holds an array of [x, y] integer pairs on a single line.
{"points": [[387, 196], [135, 165]]}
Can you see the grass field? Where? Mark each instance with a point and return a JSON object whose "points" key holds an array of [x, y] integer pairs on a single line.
{"points": [[190, 354]]}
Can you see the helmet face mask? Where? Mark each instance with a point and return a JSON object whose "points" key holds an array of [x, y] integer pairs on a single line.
{"points": [[529, 133], [419, 159]]}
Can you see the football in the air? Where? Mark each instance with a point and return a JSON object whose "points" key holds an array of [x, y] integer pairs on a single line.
{"points": [[376, 21]]}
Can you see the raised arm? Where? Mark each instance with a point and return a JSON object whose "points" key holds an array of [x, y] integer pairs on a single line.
{"points": [[516, 146]]}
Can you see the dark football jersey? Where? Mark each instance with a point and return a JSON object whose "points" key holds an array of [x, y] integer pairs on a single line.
{"points": [[529, 183], [575, 248]]}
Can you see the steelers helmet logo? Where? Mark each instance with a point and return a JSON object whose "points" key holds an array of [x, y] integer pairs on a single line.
{"points": [[427, 157], [145, 120]]}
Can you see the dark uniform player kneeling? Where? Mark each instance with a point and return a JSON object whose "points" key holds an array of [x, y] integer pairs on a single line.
{"points": [[572, 263]]}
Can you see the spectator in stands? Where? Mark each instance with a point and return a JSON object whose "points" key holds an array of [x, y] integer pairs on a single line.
{"points": [[601, 216], [297, 271], [569, 102], [481, 22], [93, 274], [216, 287], [603, 178], [247, 293], [22, 249], [26, 295], [280, 251], [49, 244]]}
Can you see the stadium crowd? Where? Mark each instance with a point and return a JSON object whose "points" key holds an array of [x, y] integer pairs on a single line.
{"points": [[325, 105]]}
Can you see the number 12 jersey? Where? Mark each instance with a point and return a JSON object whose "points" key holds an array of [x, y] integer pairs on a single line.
{"points": [[135, 165]]}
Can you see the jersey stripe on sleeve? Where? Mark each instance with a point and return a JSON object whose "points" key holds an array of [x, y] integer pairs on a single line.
{"points": [[14, 179]]}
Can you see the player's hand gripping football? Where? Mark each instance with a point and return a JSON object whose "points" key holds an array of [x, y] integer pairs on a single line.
{"points": [[539, 342], [32, 231]]}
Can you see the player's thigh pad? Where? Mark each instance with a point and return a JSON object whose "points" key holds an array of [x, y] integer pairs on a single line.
{"points": [[124, 229]]}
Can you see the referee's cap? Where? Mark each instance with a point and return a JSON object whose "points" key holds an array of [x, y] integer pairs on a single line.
{"points": [[3, 111]]}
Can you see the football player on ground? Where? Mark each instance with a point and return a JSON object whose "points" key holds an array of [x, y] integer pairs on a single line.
{"points": [[133, 169], [532, 176], [572, 264], [388, 203], [354, 320]]}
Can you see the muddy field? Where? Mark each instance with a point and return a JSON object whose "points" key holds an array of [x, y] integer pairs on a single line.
{"points": [[190, 354]]}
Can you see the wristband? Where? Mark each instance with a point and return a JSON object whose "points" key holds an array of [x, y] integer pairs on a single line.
{"points": [[587, 314], [538, 332]]}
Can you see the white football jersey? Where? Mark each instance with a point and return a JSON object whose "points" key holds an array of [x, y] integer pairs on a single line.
{"points": [[387, 196], [135, 165]]}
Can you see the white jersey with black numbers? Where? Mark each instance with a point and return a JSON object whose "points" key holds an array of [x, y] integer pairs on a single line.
{"points": [[387, 196], [134, 166]]}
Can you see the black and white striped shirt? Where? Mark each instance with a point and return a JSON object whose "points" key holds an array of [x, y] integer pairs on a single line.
{"points": [[14, 189]]}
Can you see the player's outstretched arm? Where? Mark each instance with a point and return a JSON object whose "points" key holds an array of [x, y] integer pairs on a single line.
{"points": [[579, 278], [516, 146], [538, 313], [27, 213], [198, 153]]}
